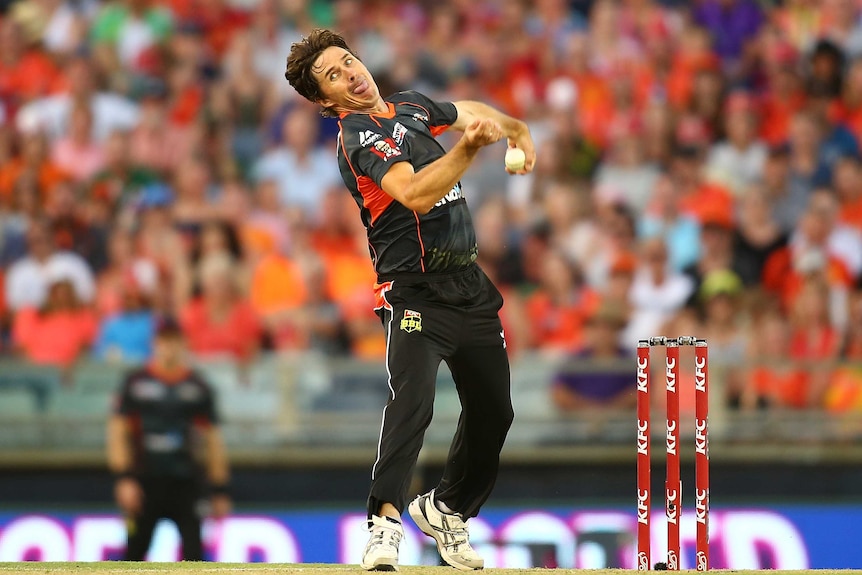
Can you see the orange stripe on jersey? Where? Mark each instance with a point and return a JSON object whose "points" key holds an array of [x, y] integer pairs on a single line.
{"points": [[373, 197], [421, 244], [380, 295], [437, 130]]}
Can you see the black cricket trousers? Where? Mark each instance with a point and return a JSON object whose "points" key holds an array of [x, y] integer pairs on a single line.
{"points": [[431, 318], [168, 498]]}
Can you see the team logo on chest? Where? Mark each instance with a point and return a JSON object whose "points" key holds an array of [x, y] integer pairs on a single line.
{"points": [[412, 321], [385, 149], [398, 133]]}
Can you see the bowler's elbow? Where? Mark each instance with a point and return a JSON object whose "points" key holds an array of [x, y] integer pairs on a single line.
{"points": [[415, 202]]}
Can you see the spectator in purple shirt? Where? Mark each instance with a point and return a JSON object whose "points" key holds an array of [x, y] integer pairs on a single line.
{"points": [[732, 23], [602, 374]]}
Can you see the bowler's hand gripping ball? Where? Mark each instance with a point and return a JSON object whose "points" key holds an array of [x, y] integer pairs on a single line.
{"points": [[515, 159]]}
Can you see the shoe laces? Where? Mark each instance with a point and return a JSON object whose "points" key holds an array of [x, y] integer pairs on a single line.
{"points": [[456, 530], [383, 535]]}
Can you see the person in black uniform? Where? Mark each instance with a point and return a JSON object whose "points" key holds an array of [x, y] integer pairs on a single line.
{"points": [[162, 411], [435, 303]]}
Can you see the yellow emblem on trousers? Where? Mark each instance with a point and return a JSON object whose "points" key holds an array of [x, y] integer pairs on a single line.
{"points": [[412, 321]]}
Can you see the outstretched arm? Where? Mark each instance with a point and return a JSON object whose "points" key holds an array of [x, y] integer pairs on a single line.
{"points": [[516, 131]]}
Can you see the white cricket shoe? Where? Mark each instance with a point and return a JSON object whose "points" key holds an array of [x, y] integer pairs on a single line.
{"points": [[449, 530], [381, 553]]}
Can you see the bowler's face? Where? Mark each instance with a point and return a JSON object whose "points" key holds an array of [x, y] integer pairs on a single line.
{"points": [[346, 84]]}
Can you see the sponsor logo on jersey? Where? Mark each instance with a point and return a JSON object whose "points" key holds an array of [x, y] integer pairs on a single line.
{"points": [[368, 137], [454, 194], [399, 132], [147, 390], [385, 149], [412, 321], [420, 117]]}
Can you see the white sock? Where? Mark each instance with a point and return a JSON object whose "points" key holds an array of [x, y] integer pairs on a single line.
{"points": [[443, 507]]}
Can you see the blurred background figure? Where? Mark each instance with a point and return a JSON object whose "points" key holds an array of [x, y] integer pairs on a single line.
{"points": [[164, 413], [657, 291]]}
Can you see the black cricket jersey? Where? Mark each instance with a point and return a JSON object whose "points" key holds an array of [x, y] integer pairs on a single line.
{"points": [[401, 240], [163, 415]]}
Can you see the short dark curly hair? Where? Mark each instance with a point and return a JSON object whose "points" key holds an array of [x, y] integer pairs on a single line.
{"points": [[300, 63]]}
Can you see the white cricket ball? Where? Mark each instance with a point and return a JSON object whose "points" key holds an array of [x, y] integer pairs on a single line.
{"points": [[515, 159]]}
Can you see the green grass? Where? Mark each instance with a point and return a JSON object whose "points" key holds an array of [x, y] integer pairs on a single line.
{"points": [[313, 569]]}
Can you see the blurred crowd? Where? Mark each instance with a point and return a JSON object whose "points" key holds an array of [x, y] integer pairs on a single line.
{"points": [[699, 172]]}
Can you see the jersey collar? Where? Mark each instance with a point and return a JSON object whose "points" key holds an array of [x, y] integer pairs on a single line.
{"points": [[389, 114]]}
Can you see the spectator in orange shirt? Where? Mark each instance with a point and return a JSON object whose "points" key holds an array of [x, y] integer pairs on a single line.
{"points": [[278, 294], [813, 250], [58, 332], [25, 72], [220, 322], [814, 341], [218, 20], [266, 229], [334, 235], [813, 335], [559, 308], [693, 54], [697, 197], [349, 283], [591, 95], [784, 95], [773, 380], [34, 160]]}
